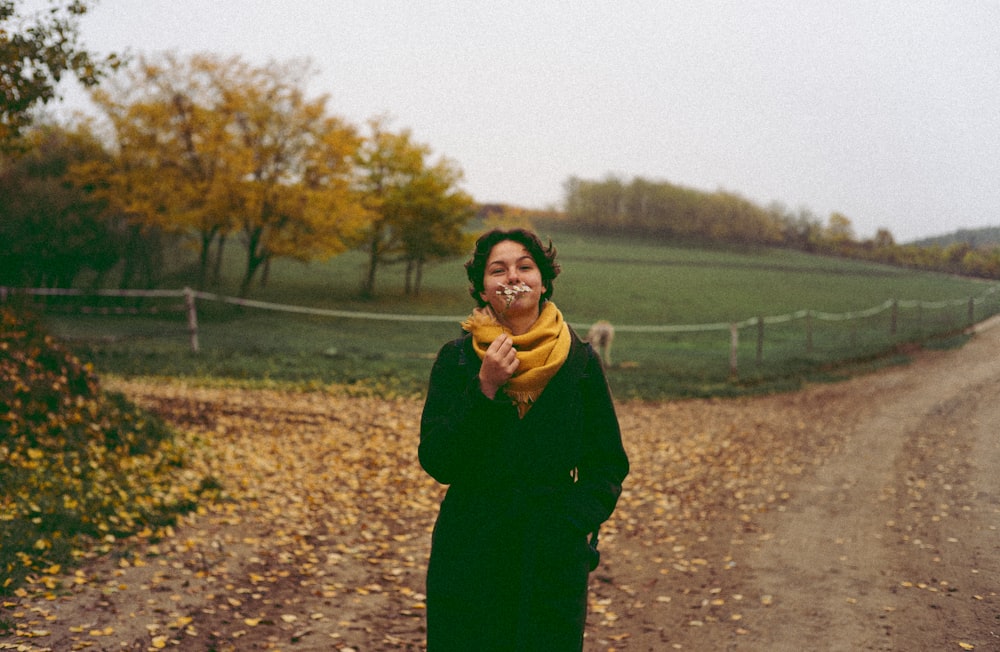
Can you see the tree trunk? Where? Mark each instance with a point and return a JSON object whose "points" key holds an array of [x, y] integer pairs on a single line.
{"points": [[265, 273], [418, 281], [374, 257], [204, 256], [217, 269], [254, 259], [408, 285], [253, 263]]}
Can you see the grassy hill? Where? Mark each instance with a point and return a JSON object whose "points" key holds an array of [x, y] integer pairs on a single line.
{"points": [[671, 306]]}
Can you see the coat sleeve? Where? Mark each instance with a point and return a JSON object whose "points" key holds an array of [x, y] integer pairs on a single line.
{"points": [[462, 432], [603, 461]]}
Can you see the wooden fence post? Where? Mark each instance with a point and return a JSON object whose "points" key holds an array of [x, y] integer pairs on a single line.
{"points": [[192, 315], [809, 332], [734, 345], [760, 339]]}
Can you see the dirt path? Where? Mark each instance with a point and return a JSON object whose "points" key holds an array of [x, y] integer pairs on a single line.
{"points": [[860, 515], [894, 543]]}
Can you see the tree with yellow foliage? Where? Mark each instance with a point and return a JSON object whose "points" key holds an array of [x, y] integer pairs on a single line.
{"points": [[216, 147], [416, 209], [430, 213], [294, 195]]}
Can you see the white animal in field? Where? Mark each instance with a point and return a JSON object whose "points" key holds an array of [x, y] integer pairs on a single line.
{"points": [[601, 335]]}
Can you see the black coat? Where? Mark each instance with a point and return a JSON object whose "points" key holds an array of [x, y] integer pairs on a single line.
{"points": [[509, 555]]}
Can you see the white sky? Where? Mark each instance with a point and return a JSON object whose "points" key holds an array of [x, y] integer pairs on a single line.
{"points": [[887, 111]]}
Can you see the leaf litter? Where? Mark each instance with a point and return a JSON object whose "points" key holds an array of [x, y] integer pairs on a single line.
{"points": [[320, 535]]}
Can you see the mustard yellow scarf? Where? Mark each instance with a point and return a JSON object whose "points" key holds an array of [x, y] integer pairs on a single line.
{"points": [[541, 351]]}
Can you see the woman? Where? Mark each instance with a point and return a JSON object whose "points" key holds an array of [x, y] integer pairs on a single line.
{"points": [[520, 423]]}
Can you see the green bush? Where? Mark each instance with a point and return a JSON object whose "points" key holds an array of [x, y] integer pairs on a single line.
{"points": [[78, 466]]}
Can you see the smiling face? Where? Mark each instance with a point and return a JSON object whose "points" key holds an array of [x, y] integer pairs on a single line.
{"points": [[508, 266]]}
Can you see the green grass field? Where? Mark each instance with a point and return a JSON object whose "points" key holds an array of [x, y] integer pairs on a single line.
{"points": [[630, 282]]}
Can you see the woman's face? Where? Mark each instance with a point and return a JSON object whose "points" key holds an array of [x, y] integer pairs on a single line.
{"points": [[509, 264]]}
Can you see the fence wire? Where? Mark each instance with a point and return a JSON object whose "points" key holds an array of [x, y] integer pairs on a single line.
{"points": [[757, 346]]}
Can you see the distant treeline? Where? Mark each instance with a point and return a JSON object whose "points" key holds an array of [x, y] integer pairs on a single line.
{"points": [[985, 237], [661, 209]]}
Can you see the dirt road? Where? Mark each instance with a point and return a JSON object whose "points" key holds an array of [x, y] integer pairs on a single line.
{"points": [[860, 515], [893, 542]]}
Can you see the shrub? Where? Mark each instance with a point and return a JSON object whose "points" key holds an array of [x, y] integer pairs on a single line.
{"points": [[78, 465]]}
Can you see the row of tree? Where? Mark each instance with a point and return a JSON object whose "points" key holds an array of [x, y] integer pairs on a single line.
{"points": [[217, 147], [206, 148], [664, 210], [201, 148]]}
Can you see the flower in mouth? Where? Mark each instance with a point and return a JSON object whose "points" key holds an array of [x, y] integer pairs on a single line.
{"points": [[511, 292]]}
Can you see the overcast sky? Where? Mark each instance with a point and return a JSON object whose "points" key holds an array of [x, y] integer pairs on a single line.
{"points": [[887, 111]]}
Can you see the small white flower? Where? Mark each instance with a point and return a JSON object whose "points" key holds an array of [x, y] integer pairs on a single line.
{"points": [[511, 292]]}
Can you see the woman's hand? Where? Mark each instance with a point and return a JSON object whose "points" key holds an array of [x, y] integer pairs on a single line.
{"points": [[499, 364]]}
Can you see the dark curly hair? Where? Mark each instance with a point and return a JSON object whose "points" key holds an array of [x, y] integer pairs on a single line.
{"points": [[544, 257]]}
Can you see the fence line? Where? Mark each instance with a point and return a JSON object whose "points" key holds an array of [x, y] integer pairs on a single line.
{"points": [[889, 304], [758, 323]]}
